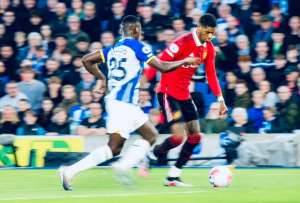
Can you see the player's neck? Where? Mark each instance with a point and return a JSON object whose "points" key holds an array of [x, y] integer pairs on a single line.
{"points": [[127, 37], [199, 37]]}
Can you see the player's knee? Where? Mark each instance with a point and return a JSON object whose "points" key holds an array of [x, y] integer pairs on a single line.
{"points": [[194, 138], [116, 150], [177, 139]]}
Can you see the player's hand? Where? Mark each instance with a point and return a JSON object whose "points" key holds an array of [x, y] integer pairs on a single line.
{"points": [[192, 61], [223, 108], [100, 87]]}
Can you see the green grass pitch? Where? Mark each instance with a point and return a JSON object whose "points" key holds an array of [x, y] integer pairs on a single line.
{"points": [[98, 185]]}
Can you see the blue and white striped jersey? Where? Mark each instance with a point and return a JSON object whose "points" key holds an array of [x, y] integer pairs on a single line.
{"points": [[125, 62]]}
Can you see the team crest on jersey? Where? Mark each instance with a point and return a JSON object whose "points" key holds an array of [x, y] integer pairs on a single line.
{"points": [[146, 50], [174, 48], [204, 55]]}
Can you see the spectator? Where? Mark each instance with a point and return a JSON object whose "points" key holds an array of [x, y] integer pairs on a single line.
{"points": [[94, 125], [253, 25], [243, 72], [87, 82], [13, 95], [4, 79], [149, 23], [270, 97], [23, 106], [240, 124], [98, 96], [144, 100], [118, 11], [107, 39], [90, 22], [229, 88], [262, 58], [52, 70], [71, 72], [59, 123], [34, 40], [7, 56], [233, 29], [54, 90], [213, 122], [47, 35], [195, 15], [59, 22], [271, 123], [278, 45], [179, 26], [19, 40], [34, 23], [38, 62], [242, 97], [257, 75], [243, 45], [255, 113], [61, 42], [76, 9], [81, 111], [291, 76], [287, 108], [30, 127], [31, 87], [69, 98], [225, 52], [9, 121], [74, 31], [46, 113], [164, 14], [292, 55], [10, 22], [224, 11], [265, 31], [276, 73], [294, 29], [82, 46], [277, 16]]}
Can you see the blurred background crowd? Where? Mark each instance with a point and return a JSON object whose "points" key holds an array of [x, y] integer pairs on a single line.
{"points": [[45, 91]]}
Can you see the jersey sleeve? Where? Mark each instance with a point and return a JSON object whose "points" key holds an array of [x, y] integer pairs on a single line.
{"points": [[210, 70], [103, 54], [143, 52], [172, 52]]}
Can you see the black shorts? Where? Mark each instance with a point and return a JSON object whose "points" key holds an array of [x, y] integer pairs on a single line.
{"points": [[175, 110]]}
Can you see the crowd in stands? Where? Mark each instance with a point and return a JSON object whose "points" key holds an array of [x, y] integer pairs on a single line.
{"points": [[45, 91]]}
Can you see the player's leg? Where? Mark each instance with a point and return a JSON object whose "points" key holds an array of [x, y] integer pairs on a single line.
{"points": [[139, 148], [98, 156], [193, 139], [171, 110]]}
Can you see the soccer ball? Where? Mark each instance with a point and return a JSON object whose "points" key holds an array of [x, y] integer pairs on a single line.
{"points": [[220, 176]]}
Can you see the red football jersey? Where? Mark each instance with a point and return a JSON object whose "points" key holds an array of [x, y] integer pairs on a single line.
{"points": [[176, 83]]}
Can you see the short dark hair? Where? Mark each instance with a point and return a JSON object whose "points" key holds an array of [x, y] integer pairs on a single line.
{"points": [[130, 19], [129, 22], [208, 20]]}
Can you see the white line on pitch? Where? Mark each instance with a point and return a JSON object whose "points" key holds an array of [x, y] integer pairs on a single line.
{"points": [[101, 195]]}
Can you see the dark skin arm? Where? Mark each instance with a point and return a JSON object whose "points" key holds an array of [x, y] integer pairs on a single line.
{"points": [[90, 62], [165, 66]]}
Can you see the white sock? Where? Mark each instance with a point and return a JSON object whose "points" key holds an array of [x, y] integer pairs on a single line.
{"points": [[135, 153], [174, 172], [96, 157]]}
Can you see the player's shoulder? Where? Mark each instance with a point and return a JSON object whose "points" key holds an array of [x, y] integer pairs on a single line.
{"points": [[184, 39], [138, 46]]}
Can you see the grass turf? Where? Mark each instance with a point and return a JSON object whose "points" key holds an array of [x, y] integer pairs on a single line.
{"points": [[98, 185]]}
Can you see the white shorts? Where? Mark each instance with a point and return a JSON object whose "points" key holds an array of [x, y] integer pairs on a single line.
{"points": [[124, 118]]}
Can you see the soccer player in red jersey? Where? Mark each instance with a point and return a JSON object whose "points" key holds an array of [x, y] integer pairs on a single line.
{"points": [[175, 99]]}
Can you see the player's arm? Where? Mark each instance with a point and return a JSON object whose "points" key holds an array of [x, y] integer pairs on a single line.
{"points": [[165, 66], [212, 79], [90, 62]]}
